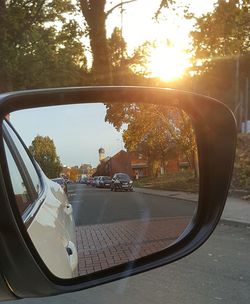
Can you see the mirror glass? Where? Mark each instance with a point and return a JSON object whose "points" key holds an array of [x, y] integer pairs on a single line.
{"points": [[106, 183]]}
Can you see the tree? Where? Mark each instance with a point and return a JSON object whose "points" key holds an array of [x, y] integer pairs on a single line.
{"points": [[159, 132], [39, 47], [95, 15], [219, 39], [127, 69], [44, 151], [223, 32], [73, 173]]}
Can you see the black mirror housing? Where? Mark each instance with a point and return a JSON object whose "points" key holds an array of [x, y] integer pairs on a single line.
{"points": [[216, 133]]}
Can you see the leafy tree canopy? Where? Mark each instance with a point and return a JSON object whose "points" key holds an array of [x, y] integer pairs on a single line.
{"points": [[223, 32], [44, 151], [221, 37], [39, 45], [158, 131], [127, 69]]}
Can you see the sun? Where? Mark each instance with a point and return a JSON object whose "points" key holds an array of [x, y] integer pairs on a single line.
{"points": [[167, 63]]}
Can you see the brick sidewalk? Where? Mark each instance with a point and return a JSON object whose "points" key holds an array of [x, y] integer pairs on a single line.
{"points": [[106, 245]]}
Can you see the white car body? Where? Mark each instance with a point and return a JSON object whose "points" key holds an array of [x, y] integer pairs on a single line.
{"points": [[53, 232], [44, 208]]}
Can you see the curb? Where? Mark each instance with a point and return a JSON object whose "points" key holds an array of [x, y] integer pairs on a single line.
{"points": [[235, 223], [225, 221], [169, 196]]}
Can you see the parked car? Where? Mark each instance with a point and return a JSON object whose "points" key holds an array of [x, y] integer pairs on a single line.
{"points": [[83, 180], [104, 182], [121, 182], [95, 181], [62, 182], [43, 206], [89, 181]]}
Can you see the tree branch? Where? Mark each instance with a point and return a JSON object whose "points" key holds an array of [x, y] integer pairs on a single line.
{"points": [[117, 6]]}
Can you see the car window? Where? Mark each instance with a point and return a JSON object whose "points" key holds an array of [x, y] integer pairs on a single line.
{"points": [[124, 176], [22, 196], [24, 157], [58, 180]]}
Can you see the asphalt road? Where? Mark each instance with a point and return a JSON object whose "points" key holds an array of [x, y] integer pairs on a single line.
{"points": [[218, 272], [116, 227], [97, 206]]}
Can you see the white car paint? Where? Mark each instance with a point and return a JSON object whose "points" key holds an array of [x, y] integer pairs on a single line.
{"points": [[52, 231]]}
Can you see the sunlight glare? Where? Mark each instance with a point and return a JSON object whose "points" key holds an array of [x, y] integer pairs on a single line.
{"points": [[167, 63]]}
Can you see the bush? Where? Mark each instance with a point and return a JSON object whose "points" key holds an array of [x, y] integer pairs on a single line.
{"points": [[241, 174]]}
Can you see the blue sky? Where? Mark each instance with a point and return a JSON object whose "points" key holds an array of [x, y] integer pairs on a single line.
{"points": [[78, 131]]}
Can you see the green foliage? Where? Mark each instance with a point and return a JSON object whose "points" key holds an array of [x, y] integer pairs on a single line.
{"points": [[241, 175], [111, 63], [39, 46], [127, 69], [223, 32], [219, 38], [44, 151]]}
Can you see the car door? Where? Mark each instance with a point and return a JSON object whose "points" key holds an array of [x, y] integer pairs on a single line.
{"points": [[44, 208]]}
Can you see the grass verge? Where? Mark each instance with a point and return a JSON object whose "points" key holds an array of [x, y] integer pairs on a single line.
{"points": [[174, 181]]}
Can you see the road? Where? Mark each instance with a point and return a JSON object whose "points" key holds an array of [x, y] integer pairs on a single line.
{"points": [[117, 227], [218, 272], [97, 206]]}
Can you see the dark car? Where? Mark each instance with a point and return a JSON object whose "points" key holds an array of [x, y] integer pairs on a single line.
{"points": [[94, 181], [61, 181], [104, 182], [121, 182]]}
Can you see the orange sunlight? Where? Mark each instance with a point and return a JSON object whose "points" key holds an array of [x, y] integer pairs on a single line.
{"points": [[167, 63]]}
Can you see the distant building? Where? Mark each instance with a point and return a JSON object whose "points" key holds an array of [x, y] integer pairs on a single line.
{"points": [[101, 154], [120, 162], [137, 165], [85, 169]]}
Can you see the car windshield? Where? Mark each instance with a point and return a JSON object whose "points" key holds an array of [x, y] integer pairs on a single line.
{"points": [[123, 176]]}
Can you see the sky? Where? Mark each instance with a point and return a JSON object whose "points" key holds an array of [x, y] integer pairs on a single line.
{"points": [[171, 34], [138, 23], [78, 131]]}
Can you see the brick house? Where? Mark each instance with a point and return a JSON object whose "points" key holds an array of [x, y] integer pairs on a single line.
{"points": [[139, 164], [136, 164], [120, 162]]}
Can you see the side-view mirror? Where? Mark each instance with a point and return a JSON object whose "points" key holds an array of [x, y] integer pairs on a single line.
{"points": [[172, 154]]}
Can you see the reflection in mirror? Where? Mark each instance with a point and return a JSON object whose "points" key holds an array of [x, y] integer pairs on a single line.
{"points": [[113, 182]]}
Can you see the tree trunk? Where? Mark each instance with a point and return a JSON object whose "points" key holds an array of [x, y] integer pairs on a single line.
{"points": [[95, 16], [101, 58]]}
